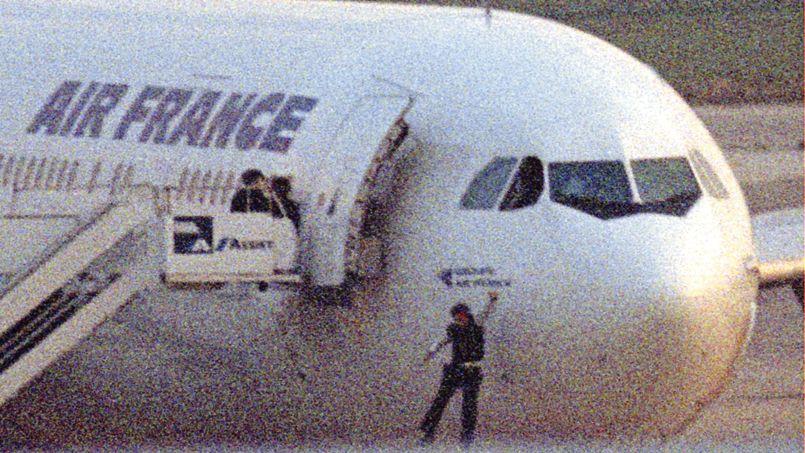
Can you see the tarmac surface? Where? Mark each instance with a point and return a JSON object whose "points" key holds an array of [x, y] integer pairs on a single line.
{"points": [[762, 409]]}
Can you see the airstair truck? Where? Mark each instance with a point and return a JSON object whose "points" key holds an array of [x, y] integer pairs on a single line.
{"points": [[206, 243]]}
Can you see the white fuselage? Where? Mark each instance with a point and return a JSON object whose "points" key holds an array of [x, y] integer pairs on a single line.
{"points": [[626, 325]]}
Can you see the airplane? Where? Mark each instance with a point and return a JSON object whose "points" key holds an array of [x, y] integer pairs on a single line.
{"points": [[471, 149]]}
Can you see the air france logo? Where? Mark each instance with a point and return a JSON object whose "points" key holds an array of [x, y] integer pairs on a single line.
{"points": [[164, 115], [192, 235]]}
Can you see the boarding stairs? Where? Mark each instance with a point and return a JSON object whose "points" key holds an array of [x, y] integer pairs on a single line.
{"points": [[74, 285]]}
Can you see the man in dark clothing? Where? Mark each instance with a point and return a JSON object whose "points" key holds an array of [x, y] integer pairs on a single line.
{"points": [[252, 197], [463, 371], [281, 186]]}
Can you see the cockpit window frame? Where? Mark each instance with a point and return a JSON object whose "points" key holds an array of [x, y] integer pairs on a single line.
{"points": [[627, 194]]}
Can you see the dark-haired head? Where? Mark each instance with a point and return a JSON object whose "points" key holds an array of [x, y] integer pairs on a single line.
{"points": [[281, 185], [459, 308], [251, 176], [462, 315]]}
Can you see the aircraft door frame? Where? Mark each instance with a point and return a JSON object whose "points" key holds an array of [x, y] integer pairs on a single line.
{"points": [[332, 229]]}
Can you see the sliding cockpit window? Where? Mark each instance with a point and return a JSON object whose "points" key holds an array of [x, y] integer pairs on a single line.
{"points": [[712, 184], [485, 189], [524, 190], [526, 187]]}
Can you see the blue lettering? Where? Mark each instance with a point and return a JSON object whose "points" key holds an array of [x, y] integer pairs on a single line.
{"points": [[286, 120], [51, 114], [138, 110], [249, 133], [171, 105], [268, 122], [103, 103], [77, 108], [227, 119], [192, 124], [235, 244]]}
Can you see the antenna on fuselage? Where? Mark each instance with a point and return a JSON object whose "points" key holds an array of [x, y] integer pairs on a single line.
{"points": [[488, 12], [411, 93]]}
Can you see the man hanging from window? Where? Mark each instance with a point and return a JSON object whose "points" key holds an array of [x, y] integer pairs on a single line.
{"points": [[463, 371]]}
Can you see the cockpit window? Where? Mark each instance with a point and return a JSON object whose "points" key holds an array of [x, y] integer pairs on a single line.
{"points": [[526, 187], [485, 188], [709, 178], [666, 186], [599, 188], [660, 179]]}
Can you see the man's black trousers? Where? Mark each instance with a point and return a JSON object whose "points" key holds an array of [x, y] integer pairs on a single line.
{"points": [[453, 377]]}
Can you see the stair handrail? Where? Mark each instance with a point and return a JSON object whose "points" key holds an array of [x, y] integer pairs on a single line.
{"points": [[59, 245]]}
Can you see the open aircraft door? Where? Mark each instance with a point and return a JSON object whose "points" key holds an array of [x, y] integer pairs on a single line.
{"points": [[366, 139]]}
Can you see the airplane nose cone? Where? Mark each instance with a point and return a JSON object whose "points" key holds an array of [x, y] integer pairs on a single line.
{"points": [[698, 316], [641, 349]]}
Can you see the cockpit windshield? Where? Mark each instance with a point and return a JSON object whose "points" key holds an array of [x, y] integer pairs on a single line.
{"points": [[666, 185], [601, 188]]}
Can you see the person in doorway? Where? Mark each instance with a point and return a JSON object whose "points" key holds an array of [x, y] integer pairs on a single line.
{"points": [[252, 196], [281, 186], [463, 371]]}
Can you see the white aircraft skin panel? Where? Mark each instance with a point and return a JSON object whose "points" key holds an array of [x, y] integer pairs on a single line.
{"points": [[606, 328], [439, 73], [682, 309], [257, 10]]}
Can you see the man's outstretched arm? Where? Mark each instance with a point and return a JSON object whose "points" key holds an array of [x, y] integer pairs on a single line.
{"points": [[488, 309]]}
